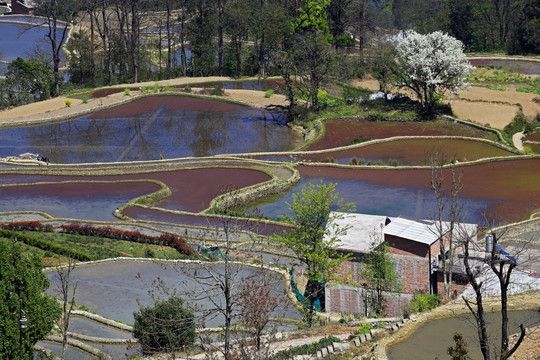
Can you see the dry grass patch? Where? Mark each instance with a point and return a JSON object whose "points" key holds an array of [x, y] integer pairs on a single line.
{"points": [[510, 96], [496, 115]]}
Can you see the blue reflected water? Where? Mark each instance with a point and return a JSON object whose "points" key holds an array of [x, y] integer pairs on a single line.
{"points": [[153, 133], [91, 202], [19, 40], [378, 200]]}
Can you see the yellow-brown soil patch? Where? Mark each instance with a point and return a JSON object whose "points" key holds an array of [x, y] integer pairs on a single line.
{"points": [[510, 96], [529, 348], [496, 108], [496, 115], [369, 84], [256, 97]]}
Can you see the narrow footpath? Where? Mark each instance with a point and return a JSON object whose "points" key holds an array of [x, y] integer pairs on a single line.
{"points": [[516, 139]]}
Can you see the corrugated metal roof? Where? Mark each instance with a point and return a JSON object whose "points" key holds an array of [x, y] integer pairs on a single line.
{"points": [[362, 231], [421, 231], [425, 231]]}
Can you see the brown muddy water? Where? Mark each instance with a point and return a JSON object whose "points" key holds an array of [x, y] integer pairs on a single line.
{"points": [[192, 190], [342, 131], [407, 152], [508, 190], [433, 339]]}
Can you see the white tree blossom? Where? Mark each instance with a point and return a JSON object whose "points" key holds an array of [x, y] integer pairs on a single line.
{"points": [[431, 65]]}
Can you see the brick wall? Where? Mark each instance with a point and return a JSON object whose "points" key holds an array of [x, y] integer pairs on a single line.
{"points": [[413, 272], [397, 245], [347, 299]]}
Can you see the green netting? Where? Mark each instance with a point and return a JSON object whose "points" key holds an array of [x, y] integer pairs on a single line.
{"points": [[301, 297], [214, 251]]}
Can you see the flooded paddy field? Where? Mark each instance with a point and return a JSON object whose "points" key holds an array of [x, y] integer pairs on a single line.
{"points": [[96, 201], [515, 65], [341, 132], [534, 137], [96, 197], [115, 289], [509, 190], [21, 38], [404, 152], [370, 197], [88, 327], [433, 338], [152, 128], [71, 353]]}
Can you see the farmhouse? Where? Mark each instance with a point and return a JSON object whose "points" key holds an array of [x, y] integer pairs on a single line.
{"points": [[414, 247], [23, 7]]}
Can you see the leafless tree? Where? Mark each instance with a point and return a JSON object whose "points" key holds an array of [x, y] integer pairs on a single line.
{"points": [[66, 293], [500, 265], [448, 206], [58, 14], [222, 282]]}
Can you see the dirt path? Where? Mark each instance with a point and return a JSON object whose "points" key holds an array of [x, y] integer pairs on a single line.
{"points": [[56, 108], [516, 139]]}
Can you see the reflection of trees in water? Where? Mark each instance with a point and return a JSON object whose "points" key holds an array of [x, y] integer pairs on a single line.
{"points": [[69, 141], [209, 133], [270, 136], [139, 146], [89, 140], [170, 133]]}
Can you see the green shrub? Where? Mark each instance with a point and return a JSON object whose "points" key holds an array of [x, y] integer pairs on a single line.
{"points": [[100, 101], [357, 140], [518, 124], [149, 253], [187, 88], [45, 245], [85, 99], [364, 328], [530, 90], [269, 93], [217, 91], [165, 327], [68, 102], [423, 302], [305, 349], [127, 92]]}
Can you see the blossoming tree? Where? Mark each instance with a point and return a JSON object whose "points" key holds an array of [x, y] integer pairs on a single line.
{"points": [[432, 65]]}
